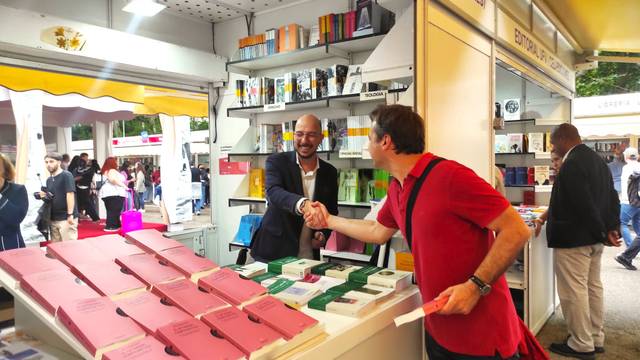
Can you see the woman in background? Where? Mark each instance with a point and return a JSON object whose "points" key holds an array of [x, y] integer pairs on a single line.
{"points": [[113, 193], [14, 204], [139, 187]]}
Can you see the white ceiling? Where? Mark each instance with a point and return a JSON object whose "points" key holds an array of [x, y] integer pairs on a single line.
{"points": [[220, 10]]}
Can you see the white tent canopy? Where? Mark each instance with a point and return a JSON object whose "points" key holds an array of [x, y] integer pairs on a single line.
{"points": [[608, 126]]}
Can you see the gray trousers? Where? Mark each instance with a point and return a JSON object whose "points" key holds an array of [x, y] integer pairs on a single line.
{"points": [[581, 295]]}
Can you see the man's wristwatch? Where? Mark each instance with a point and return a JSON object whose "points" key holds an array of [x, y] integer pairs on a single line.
{"points": [[485, 288]]}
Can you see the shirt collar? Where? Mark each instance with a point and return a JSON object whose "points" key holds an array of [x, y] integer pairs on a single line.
{"points": [[419, 167], [568, 152], [300, 166]]}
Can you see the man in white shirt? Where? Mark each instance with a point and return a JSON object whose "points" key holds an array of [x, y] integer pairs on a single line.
{"points": [[629, 212]]}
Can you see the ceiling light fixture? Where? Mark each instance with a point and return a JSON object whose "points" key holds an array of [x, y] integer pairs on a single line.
{"points": [[143, 7]]}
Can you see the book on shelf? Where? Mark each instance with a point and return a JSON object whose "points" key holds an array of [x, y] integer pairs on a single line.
{"points": [[268, 91], [185, 260], [150, 311], [529, 197], [253, 92], [509, 176], [186, 295], [542, 176], [288, 128], [270, 138], [254, 339], [336, 76], [515, 142], [98, 325], [304, 89], [151, 240], [288, 37], [55, 287], [381, 183], [511, 109], [536, 142], [230, 286], [522, 175], [366, 185], [372, 18], [193, 339], [290, 87], [303, 37], [272, 40], [26, 261], [147, 348], [547, 141], [114, 245], [318, 83], [256, 183], [289, 322], [348, 185], [353, 82], [107, 279], [279, 90], [148, 269], [241, 93], [314, 35], [502, 144], [328, 133]]}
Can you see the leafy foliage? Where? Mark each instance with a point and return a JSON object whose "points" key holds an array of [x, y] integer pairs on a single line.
{"points": [[609, 78], [133, 127]]}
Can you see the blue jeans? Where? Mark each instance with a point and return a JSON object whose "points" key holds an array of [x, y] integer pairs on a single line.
{"points": [[203, 198], [629, 213]]}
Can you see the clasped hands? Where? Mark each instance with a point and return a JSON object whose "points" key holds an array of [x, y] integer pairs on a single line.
{"points": [[315, 215]]}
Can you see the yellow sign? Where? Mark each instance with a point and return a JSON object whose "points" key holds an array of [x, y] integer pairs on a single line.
{"points": [[525, 44], [479, 12]]}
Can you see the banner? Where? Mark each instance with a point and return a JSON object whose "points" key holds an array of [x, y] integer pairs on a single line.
{"points": [[30, 167], [175, 170]]}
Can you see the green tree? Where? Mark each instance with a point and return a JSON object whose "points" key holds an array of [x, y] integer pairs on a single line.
{"points": [[609, 78], [81, 132]]}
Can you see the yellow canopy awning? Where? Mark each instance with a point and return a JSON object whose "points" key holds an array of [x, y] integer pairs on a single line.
{"points": [[599, 24], [149, 100]]}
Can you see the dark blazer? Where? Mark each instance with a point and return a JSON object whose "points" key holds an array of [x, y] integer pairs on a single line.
{"points": [[13, 208], [279, 232], [584, 205]]}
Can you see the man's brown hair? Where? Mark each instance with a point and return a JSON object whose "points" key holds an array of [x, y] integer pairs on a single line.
{"points": [[404, 126]]}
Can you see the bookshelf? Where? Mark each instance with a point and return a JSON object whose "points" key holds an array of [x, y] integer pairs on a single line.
{"points": [[341, 49], [339, 101]]}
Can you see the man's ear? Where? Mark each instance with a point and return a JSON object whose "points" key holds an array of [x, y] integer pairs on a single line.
{"points": [[386, 142]]}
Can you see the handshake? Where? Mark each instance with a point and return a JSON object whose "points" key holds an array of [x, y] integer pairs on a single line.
{"points": [[316, 215]]}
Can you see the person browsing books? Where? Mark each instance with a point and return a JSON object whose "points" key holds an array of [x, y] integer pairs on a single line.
{"points": [[293, 180], [452, 239]]}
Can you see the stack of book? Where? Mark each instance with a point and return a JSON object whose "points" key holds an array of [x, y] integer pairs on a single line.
{"points": [[286, 38], [362, 185]]}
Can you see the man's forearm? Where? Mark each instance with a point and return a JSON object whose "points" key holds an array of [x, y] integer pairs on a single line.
{"points": [[70, 202], [502, 254], [363, 230]]}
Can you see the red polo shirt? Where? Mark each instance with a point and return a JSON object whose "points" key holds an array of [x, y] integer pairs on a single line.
{"points": [[450, 240]]}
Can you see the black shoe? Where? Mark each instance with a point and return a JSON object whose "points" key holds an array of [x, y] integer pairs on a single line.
{"points": [[599, 350], [564, 350], [626, 263]]}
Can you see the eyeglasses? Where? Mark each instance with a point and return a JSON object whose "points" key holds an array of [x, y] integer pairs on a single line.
{"points": [[310, 134]]}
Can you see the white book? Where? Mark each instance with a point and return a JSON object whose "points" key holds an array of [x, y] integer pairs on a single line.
{"points": [[511, 109], [250, 270], [299, 268], [342, 271], [515, 143], [353, 84], [290, 87], [371, 292], [314, 36], [350, 306], [536, 142], [394, 279], [541, 175], [502, 144], [326, 282], [298, 294]]}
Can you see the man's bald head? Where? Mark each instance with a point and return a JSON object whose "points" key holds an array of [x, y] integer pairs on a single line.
{"points": [[309, 120], [564, 137]]}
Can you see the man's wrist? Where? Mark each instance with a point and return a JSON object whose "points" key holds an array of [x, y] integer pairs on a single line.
{"points": [[300, 206]]}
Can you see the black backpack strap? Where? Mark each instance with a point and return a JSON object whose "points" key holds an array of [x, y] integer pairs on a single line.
{"points": [[414, 195]]}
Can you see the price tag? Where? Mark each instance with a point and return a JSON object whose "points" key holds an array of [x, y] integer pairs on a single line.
{"points": [[274, 107], [373, 95]]}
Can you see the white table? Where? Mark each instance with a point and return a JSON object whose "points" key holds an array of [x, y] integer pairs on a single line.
{"points": [[373, 336]]}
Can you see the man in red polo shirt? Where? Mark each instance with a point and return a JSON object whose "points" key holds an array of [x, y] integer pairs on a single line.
{"points": [[455, 252]]}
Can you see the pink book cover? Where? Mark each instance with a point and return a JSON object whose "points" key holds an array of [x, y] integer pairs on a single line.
{"points": [[56, 287], [186, 261], [235, 326], [97, 324], [146, 349], [106, 278], [231, 287], [27, 261], [151, 240], [285, 320], [76, 252], [196, 341], [148, 269], [114, 246], [187, 296], [150, 312]]}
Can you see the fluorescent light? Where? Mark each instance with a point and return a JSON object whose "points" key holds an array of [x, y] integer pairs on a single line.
{"points": [[143, 7]]}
